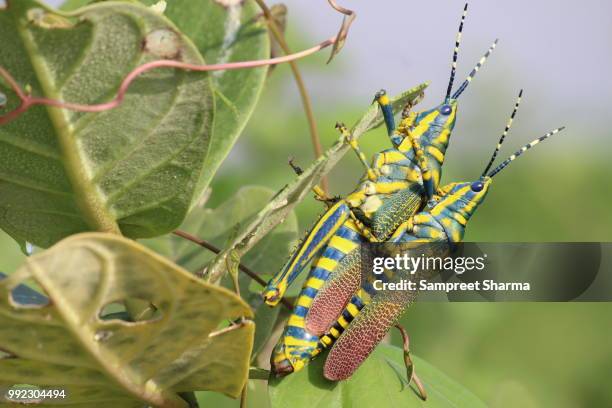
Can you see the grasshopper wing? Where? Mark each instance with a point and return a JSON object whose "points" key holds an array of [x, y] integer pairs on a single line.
{"points": [[364, 333], [335, 294], [382, 312]]}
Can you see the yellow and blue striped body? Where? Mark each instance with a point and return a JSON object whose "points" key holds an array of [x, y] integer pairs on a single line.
{"points": [[370, 314], [442, 223], [412, 168], [367, 316], [297, 345], [397, 185], [400, 190]]}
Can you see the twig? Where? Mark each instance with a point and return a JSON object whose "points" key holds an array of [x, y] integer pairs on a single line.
{"points": [[216, 250], [27, 101], [411, 374], [306, 102], [243, 395]]}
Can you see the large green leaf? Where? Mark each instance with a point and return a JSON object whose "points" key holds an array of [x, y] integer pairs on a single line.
{"points": [[379, 382], [133, 169], [222, 34], [225, 34], [105, 362], [278, 208], [216, 226]]}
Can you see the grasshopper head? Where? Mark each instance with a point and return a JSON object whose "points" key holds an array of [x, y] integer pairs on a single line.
{"points": [[438, 122], [463, 197], [458, 201]]}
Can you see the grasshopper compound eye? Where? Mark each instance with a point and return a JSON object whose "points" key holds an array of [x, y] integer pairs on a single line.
{"points": [[445, 110], [477, 186]]}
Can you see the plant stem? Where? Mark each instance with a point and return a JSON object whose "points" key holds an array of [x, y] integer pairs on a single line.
{"points": [[306, 102], [243, 395], [212, 248]]}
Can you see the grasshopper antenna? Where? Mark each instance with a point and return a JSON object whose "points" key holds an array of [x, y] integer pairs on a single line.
{"points": [[474, 71], [523, 150], [503, 136], [455, 53]]}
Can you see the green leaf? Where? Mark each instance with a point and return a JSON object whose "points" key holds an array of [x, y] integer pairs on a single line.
{"points": [[277, 209], [380, 381], [223, 34], [12, 255], [133, 169], [216, 226], [73, 342]]}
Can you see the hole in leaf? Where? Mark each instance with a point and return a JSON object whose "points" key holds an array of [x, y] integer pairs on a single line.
{"points": [[118, 310], [2, 4], [29, 248], [115, 311], [28, 294], [3, 98]]}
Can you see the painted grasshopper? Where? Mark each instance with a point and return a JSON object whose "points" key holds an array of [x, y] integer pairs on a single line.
{"points": [[442, 221], [398, 184]]}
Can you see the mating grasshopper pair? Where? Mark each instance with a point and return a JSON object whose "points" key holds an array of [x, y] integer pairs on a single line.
{"points": [[399, 201]]}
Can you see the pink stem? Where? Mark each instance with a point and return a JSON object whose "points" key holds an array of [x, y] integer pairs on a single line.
{"points": [[27, 101]]}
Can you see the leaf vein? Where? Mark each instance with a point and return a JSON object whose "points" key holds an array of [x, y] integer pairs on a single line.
{"points": [[29, 146], [111, 199], [106, 168], [31, 185]]}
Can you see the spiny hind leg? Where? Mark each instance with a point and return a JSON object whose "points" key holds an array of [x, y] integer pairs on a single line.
{"points": [[412, 376]]}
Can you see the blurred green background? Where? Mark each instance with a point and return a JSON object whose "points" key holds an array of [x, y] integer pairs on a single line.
{"points": [[509, 354]]}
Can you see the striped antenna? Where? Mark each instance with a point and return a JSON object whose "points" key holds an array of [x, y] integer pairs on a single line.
{"points": [[523, 150], [503, 136], [474, 71], [455, 53]]}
